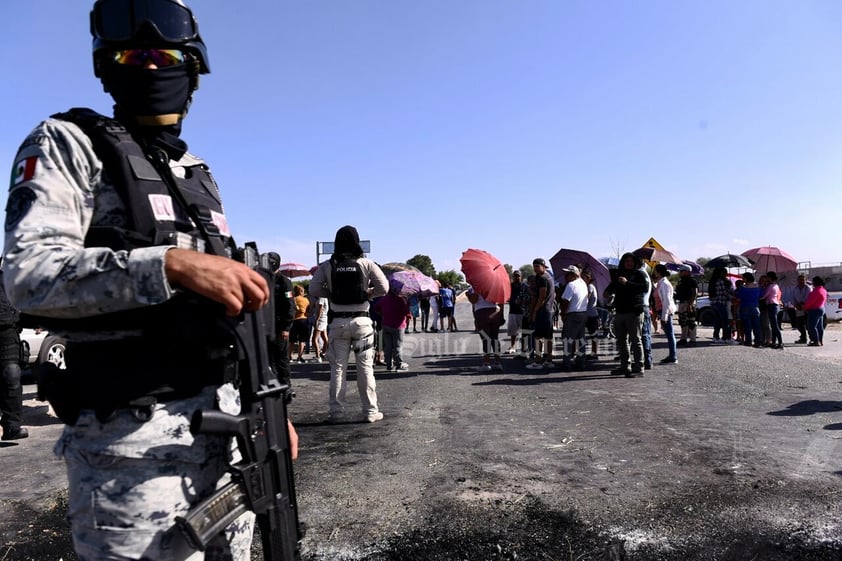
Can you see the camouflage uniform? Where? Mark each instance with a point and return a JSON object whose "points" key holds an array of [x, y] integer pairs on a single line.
{"points": [[129, 477]]}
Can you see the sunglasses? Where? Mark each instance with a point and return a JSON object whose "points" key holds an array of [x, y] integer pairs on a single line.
{"points": [[120, 20], [141, 57]]}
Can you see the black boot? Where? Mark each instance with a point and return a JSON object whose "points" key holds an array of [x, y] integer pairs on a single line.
{"points": [[15, 434]]}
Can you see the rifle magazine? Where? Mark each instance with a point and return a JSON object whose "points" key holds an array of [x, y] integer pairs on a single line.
{"points": [[212, 516]]}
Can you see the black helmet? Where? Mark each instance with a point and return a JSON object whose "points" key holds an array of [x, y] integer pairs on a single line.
{"points": [[123, 24]]}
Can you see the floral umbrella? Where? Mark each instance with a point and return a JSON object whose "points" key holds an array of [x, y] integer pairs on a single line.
{"points": [[656, 255], [487, 275], [770, 258], [389, 268], [293, 270], [408, 283]]}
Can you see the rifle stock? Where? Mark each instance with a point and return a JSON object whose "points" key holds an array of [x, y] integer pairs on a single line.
{"points": [[263, 480]]}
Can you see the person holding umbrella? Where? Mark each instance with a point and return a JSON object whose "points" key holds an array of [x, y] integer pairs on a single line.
{"points": [[772, 295], [395, 314], [721, 293], [487, 316]]}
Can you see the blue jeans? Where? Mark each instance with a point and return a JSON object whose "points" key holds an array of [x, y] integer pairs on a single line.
{"points": [[646, 336], [815, 325], [751, 325], [721, 321], [775, 322], [670, 333]]}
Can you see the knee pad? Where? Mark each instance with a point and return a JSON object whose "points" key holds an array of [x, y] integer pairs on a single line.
{"points": [[11, 374]]}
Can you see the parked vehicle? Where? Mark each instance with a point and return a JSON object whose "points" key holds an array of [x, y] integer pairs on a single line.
{"points": [[705, 314], [42, 347]]}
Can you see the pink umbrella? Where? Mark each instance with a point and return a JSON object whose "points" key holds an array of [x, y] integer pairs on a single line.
{"points": [[407, 283], [770, 258], [487, 275], [293, 270]]}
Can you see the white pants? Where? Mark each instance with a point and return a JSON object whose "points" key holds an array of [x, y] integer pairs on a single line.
{"points": [[434, 314], [347, 334]]}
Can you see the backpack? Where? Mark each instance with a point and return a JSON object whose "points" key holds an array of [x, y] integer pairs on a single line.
{"points": [[346, 281]]}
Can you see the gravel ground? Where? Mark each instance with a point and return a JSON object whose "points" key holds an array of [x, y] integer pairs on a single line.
{"points": [[733, 454]]}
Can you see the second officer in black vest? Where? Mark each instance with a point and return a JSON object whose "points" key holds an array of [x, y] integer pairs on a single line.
{"points": [[350, 281]]}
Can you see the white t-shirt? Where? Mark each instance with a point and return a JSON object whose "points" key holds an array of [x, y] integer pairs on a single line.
{"points": [[576, 292], [482, 303]]}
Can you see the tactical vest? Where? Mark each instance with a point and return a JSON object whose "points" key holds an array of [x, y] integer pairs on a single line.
{"points": [[153, 217], [346, 281], [184, 344]]}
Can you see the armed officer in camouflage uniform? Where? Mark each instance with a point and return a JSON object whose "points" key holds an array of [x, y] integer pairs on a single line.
{"points": [[116, 239]]}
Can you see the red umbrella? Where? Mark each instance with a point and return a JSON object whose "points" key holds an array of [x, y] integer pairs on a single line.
{"points": [[487, 275], [770, 258], [583, 260], [293, 270]]}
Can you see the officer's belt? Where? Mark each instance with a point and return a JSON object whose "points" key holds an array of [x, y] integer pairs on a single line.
{"points": [[331, 314]]}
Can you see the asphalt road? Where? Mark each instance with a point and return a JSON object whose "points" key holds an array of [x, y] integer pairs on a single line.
{"points": [[733, 453]]}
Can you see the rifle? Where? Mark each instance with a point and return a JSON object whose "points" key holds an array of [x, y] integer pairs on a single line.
{"points": [[263, 480]]}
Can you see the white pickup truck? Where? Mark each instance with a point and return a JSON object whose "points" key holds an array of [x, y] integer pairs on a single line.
{"points": [[704, 313]]}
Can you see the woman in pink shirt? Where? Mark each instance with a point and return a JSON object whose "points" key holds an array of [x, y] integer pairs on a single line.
{"points": [[773, 304], [814, 306]]}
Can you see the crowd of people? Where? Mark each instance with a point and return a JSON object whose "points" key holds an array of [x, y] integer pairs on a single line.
{"points": [[640, 302], [751, 312]]}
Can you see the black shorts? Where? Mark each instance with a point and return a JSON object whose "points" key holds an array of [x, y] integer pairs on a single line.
{"points": [[299, 331], [446, 312], [592, 324], [543, 326]]}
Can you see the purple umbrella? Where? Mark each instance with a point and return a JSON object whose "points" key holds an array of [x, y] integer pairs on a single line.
{"points": [[583, 260]]}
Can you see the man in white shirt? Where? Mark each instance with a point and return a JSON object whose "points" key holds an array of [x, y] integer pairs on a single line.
{"points": [[574, 315]]}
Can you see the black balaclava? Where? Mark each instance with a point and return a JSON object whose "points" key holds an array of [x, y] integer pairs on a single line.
{"points": [[347, 242], [152, 102], [273, 261]]}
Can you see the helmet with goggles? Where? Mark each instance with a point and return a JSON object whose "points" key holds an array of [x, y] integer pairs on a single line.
{"points": [[122, 25]]}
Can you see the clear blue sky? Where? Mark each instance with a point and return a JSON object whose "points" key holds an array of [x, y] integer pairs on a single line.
{"points": [[518, 127]]}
